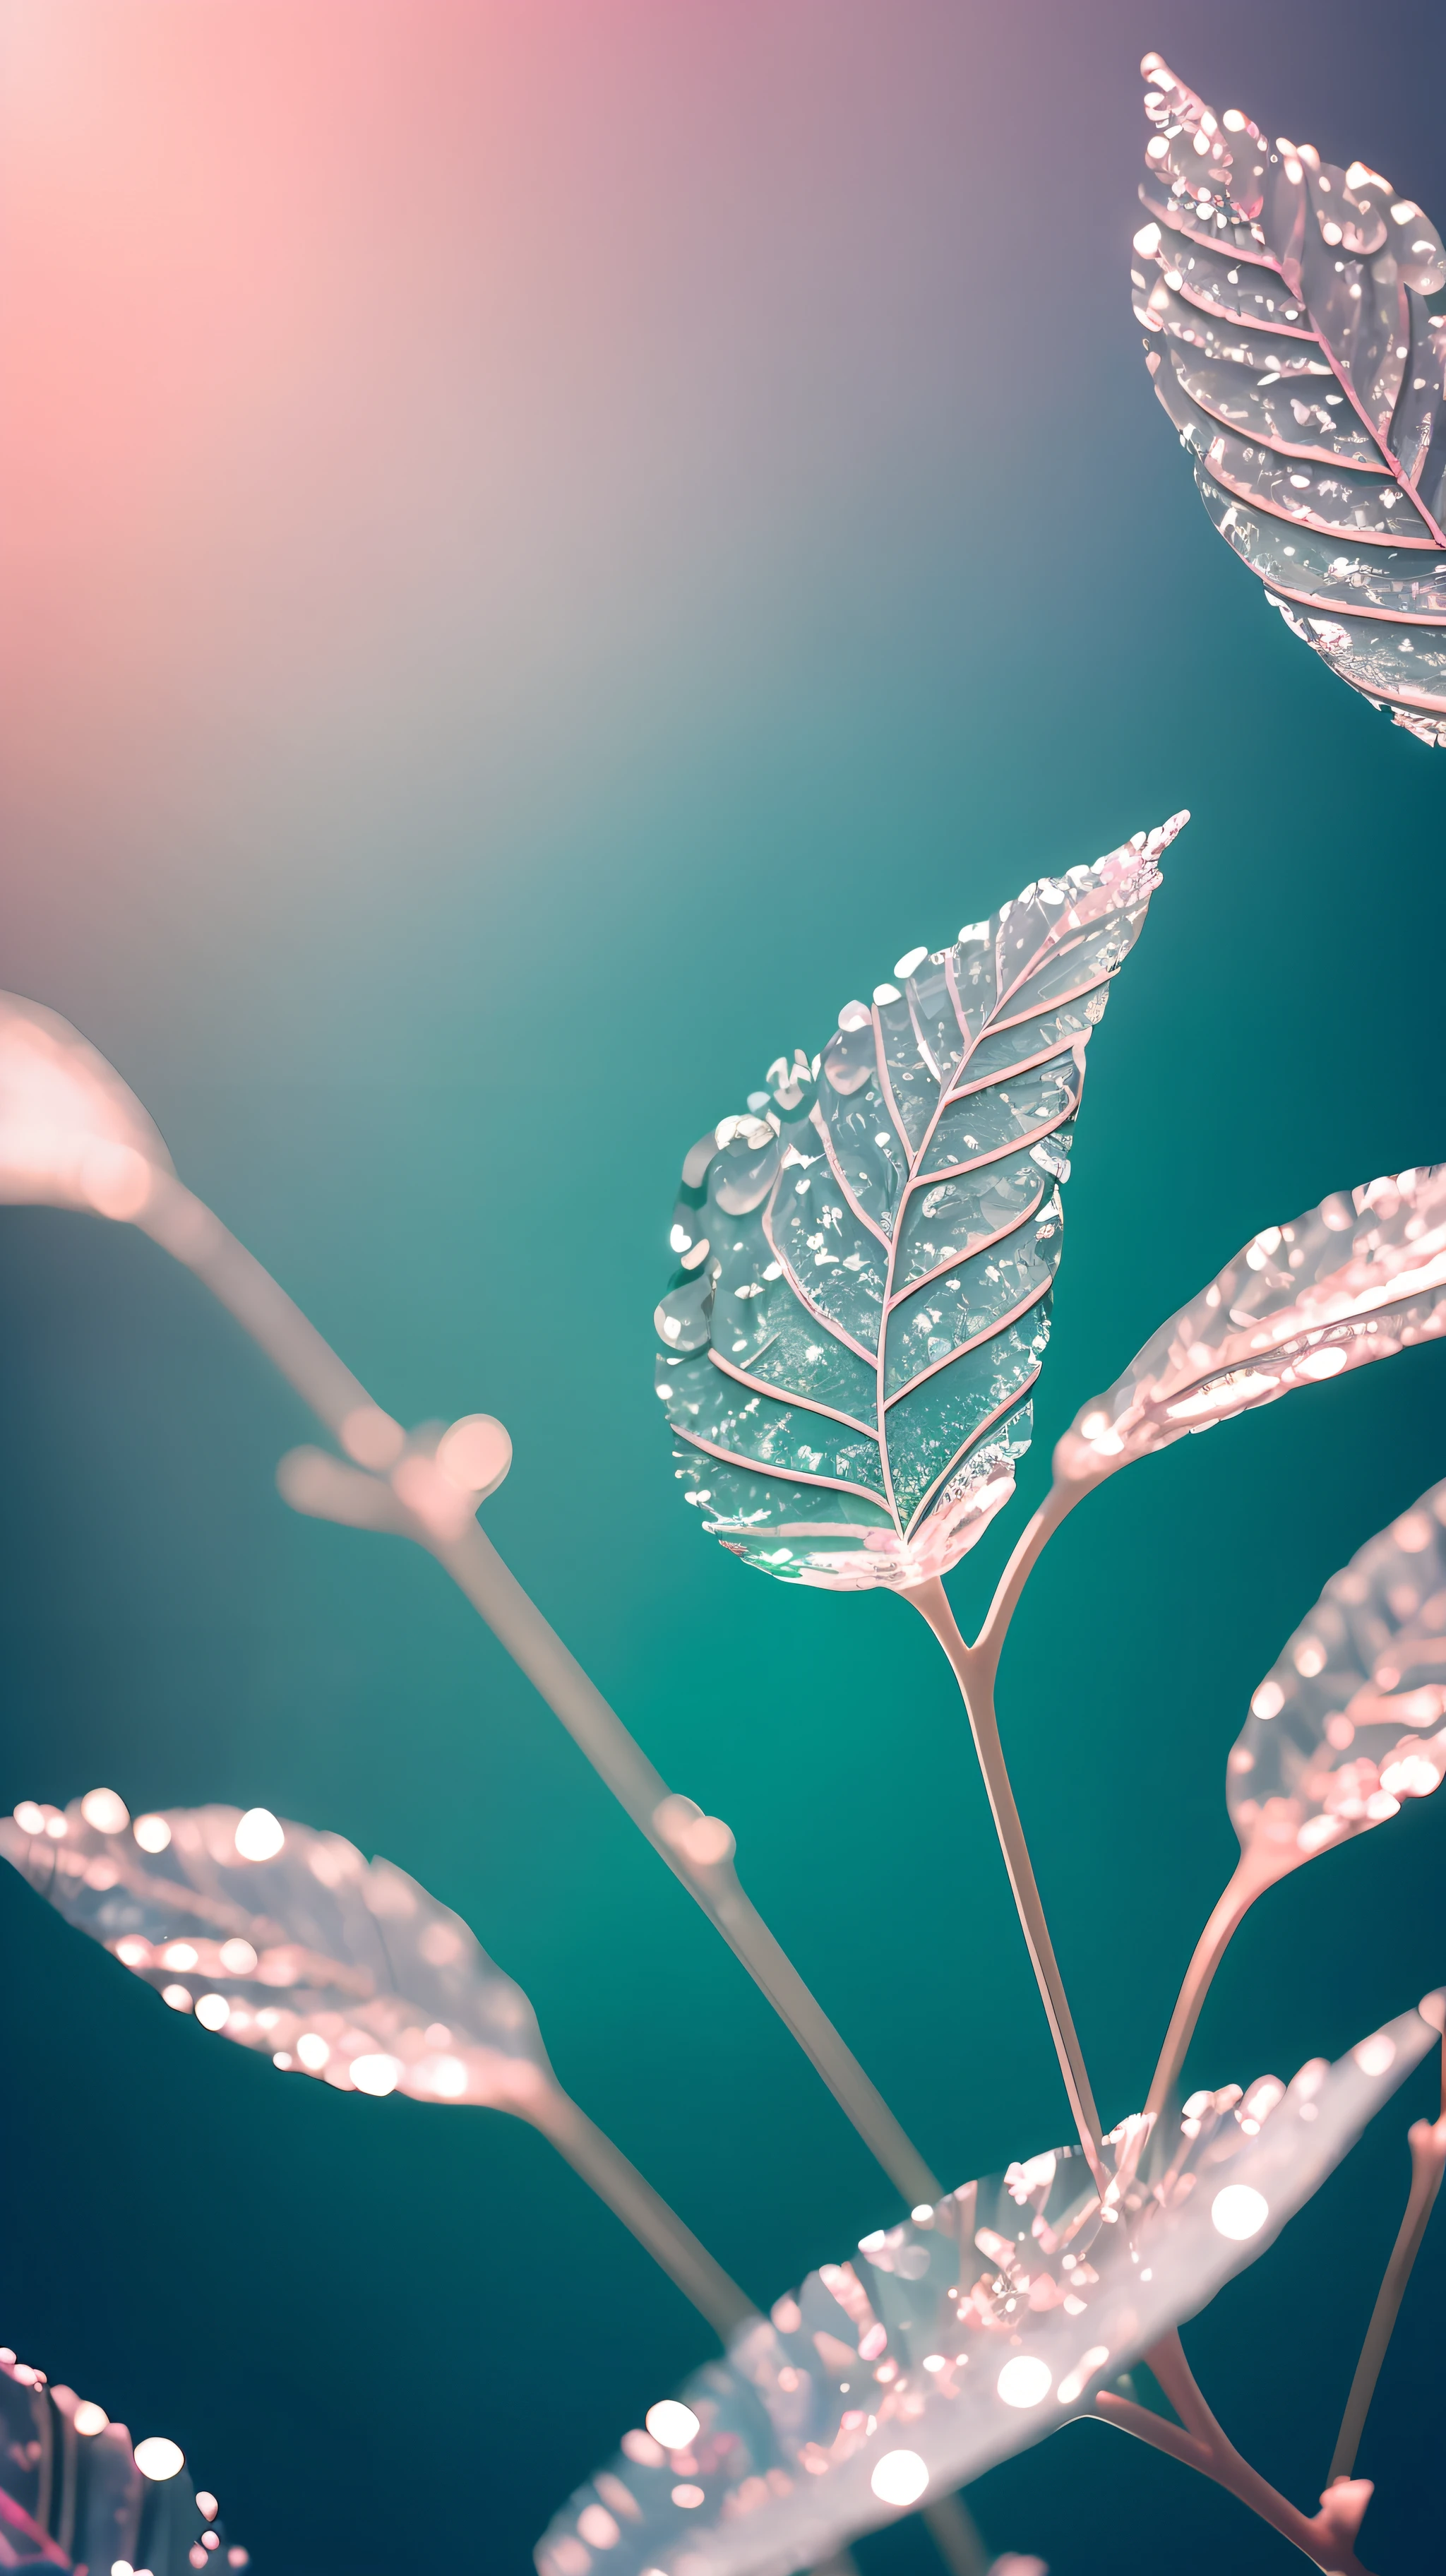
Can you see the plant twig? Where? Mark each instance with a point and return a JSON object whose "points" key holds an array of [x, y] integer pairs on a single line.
{"points": [[1252, 1874], [1325, 2538], [187, 1229], [1030, 1546], [657, 2228], [1427, 2141], [975, 1675], [950, 2526]]}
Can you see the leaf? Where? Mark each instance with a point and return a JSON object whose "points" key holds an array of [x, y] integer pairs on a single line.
{"points": [[969, 2333], [74, 2494], [1340, 1730], [1292, 346], [71, 1133], [332, 1965], [866, 1255], [1356, 1279]]}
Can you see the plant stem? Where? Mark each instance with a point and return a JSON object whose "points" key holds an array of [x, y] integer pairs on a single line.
{"points": [[1204, 2446], [951, 2528], [673, 2246], [515, 1620], [974, 1671], [1034, 1538], [1250, 1876], [1428, 2159], [187, 1229]]}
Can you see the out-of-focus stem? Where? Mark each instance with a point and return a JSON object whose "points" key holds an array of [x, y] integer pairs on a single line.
{"points": [[657, 2228], [1427, 2142], [187, 1229], [974, 1672], [478, 1570], [951, 2528], [1204, 2446], [1250, 1876]]}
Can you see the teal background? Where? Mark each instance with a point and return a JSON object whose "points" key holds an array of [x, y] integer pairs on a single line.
{"points": [[544, 546]]}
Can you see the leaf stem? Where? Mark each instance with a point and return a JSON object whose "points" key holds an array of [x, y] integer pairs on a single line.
{"points": [[657, 2228], [951, 2527], [974, 1671], [186, 1228], [1427, 2141], [1034, 1538], [1325, 2538], [1248, 1879]]}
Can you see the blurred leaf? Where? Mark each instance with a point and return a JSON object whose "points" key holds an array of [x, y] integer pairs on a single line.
{"points": [[867, 1252], [1356, 1279], [74, 2494], [288, 1941], [1292, 346], [903, 2375]]}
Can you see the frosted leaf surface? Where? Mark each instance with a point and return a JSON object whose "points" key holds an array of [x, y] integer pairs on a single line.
{"points": [[866, 1251], [971, 2333], [1290, 340], [71, 1133], [332, 1965], [72, 2496], [1351, 1721], [1356, 1279]]}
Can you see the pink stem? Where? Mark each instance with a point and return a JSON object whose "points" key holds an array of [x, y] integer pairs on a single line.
{"points": [[1250, 1876], [951, 2527], [187, 1229], [642, 2210], [1037, 1533], [974, 1672], [1427, 2142], [1203, 2446], [1318, 2538]]}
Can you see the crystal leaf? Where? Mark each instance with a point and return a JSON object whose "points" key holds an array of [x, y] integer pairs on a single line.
{"points": [[866, 1254], [71, 1133], [1291, 343], [74, 2494], [974, 2330], [288, 1941], [1349, 1722], [1356, 1279]]}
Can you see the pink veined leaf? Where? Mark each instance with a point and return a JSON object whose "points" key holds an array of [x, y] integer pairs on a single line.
{"points": [[288, 1941], [1356, 1279], [75, 2494], [941, 2346], [1292, 346], [1351, 1721], [71, 1132], [866, 1253]]}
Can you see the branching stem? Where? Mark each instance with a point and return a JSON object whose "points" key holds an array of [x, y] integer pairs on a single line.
{"points": [[974, 1669], [187, 1229], [1325, 2538]]}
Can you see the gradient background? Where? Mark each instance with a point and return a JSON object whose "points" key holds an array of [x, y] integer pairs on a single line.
{"points": [[543, 545]]}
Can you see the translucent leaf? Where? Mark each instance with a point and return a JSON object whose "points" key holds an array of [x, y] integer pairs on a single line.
{"points": [[1349, 1723], [71, 1133], [1291, 343], [866, 1253], [1356, 1279], [942, 2346], [288, 1941], [75, 2494]]}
